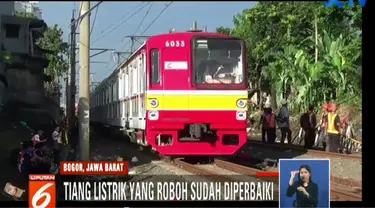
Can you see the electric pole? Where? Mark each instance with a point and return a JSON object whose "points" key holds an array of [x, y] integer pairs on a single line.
{"points": [[117, 58], [67, 83], [84, 85], [91, 81], [136, 38], [194, 28], [72, 75]]}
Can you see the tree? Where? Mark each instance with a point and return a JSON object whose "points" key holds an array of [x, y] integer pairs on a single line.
{"points": [[223, 30], [302, 51]]}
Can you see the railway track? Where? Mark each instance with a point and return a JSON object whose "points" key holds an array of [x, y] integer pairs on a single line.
{"points": [[313, 152], [338, 193]]}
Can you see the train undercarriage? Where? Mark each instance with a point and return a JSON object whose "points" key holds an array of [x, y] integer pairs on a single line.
{"points": [[198, 136]]}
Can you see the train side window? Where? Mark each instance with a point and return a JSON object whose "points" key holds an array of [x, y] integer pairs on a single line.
{"points": [[118, 109], [102, 98], [155, 68], [127, 108], [121, 107]]}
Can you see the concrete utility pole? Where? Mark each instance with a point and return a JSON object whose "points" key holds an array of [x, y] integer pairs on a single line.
{"points": [[67, 83], [72, 75], [84, 85]]}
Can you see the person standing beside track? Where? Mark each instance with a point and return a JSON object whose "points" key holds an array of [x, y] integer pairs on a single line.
{"points": [[283, 122], [64, 141], [333, 129], [37, 138], [268, 124], [322, 138], [262, 123], [56, 139], [271, 126], [308, 124]]}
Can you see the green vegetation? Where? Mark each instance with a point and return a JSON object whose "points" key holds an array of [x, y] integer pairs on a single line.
{"points": [[55, 49], [302, 51], [53, 42]]}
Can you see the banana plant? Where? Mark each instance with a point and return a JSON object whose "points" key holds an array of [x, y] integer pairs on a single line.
{"points": [[341, 69]]}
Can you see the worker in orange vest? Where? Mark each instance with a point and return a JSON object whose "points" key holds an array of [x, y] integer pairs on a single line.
{"points": [[333, 129]]}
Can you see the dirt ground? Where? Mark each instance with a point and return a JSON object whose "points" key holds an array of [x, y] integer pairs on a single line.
{"points": [[10, 139]]}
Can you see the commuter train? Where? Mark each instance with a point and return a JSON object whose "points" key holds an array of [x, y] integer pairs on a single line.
{"points": [[180, 93]]}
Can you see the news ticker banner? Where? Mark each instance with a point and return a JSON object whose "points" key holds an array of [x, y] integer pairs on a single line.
{"points": [[45, 190], [154, 188], [94, 168]]}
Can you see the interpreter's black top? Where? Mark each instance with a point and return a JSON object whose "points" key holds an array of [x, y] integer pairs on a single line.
{"points": [[301, 199]]}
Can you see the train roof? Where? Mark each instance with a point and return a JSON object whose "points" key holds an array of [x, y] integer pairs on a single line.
{"points": [[156, 37], [189, 34]]}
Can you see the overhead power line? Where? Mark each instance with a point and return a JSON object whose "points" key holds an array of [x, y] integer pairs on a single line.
{"points": [[148, 27], [153, 21], [157, 17], [93, 22], [121, 23], [121, 18], [143, 19], [82, 16]]}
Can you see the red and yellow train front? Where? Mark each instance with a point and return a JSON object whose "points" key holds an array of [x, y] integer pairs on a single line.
{"points": [[197, 105]]}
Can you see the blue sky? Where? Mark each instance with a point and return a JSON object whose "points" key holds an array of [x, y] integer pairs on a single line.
{"points": [[180, 15]]}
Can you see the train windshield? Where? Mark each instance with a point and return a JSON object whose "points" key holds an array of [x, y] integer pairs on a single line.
{"points": [[218, 61]]}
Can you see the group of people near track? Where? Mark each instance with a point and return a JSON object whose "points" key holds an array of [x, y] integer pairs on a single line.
{"points": [[329, 128], [42, 153]]}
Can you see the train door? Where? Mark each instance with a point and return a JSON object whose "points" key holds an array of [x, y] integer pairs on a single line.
{"points": [[155, 79], [127, 97], [121, 93], [142, 82], [176, 75], [135, 95], [131, 107]]}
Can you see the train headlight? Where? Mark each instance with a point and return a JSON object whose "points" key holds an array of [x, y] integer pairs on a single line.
{"points": [[241, 103], [153, 115], [154, 102], [241, 115]]}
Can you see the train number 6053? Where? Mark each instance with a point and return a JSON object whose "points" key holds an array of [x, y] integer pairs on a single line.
{"points": [[174, 43]]}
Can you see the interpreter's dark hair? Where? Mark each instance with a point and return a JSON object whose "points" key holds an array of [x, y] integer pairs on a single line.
{"points": [[308, 170]]}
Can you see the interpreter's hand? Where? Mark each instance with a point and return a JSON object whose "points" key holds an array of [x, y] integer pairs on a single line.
{"points": [[301, 188], [293, 173]]}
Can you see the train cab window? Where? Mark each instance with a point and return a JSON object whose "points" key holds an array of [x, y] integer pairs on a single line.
{"points": [[155, 69]]}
